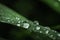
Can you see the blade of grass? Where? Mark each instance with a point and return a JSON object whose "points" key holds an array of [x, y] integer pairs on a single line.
{"points": [[9, 16]]}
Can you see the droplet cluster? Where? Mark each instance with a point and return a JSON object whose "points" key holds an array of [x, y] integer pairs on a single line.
{"points": [[45, 30], [33, 26]]}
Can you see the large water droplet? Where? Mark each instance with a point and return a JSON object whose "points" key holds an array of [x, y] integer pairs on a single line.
{"points": [[26, 25]]}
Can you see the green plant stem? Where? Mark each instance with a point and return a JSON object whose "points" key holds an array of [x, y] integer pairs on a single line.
{"points": [[9, 16]]}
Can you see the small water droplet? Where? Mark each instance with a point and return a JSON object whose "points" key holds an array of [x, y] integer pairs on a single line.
{"points": [[19, 21], [12, 20], [36, 22], [58, 34], [17, 18], [47, 28], [26, 25], [37, 28], [40, 31], [51, 36], [54, 31], [47, 32], [18, 25]]}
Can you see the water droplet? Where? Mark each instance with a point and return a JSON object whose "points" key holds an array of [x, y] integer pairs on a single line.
{"points": [[47, 32], [58, 34], [12, 20], [19, 21], [26, 25], [37, 28], [8, 20], [40, 31], [17, 18], [51, 36], [36, 22], [18, 25], [47, 28]]}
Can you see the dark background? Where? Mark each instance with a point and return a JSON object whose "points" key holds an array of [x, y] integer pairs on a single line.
{"points": [[34, 10]]}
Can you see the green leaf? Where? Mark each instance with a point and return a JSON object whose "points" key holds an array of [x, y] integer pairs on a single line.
{"points": [[11, 17]]}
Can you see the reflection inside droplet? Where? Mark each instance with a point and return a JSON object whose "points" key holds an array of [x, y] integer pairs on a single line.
{"points": [[26, 25], [18, 25]]}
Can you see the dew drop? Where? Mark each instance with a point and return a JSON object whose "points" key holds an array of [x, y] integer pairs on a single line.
{"points": [[18, 25], [51, 36], [26, 25], [17, 18], [36, 22], [37, 28], [47, 32], [19, 21], [12, 21], [58, 34], [40, 31], [47, 28], [54, 31]]}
